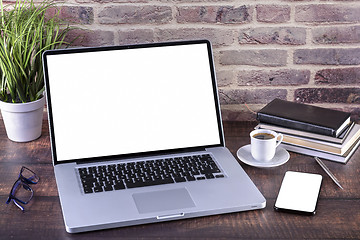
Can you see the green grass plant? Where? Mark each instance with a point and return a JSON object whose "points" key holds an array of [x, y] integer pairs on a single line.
{"points": [[27, 29]]}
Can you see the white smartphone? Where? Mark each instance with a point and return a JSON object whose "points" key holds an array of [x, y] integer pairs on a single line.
{"points": [[299, 193]]}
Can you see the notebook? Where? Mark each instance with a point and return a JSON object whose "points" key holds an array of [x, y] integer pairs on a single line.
{"points": [[136, 136], [304, 117]]}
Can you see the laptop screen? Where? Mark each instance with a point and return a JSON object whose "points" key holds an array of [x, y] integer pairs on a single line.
{"points": [[132, 99]]}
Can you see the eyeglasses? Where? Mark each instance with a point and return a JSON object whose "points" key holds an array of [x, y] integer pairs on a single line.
{"points": [[21, 192]]}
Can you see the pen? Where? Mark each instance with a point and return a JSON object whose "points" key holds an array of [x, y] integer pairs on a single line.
{"points": [[326, 169]]}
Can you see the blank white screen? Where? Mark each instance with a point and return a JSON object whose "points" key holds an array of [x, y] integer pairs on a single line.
{"points": [[131, 101], [299, 191]]}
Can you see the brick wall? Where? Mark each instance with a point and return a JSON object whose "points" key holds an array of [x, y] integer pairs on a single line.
{"points": [[300, 50]]}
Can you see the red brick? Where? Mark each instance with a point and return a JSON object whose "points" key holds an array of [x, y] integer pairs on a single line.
{"points": [[197, 14], [214, 14], [133, 36], [110, 1], [327, 13], [88, 38], [287, 77], [268, 57], [239, 112], [224, 78], [241, 96], [216, 36], [273, 13], [339, 76], [268, 35], [135, 14], [328, 56], [328, 95], [81, 15], [240, 14], [5, 2], [338, 34]]}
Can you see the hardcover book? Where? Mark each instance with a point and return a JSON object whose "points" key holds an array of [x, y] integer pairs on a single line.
{"points": [[328, 156], [304, 117], [323, 145], [339, 140]]}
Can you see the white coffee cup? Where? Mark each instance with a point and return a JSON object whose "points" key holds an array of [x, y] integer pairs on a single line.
{"points": [[264, 143]]}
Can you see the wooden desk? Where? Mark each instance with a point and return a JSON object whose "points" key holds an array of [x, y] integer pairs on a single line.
{"points": [[338, 214]]}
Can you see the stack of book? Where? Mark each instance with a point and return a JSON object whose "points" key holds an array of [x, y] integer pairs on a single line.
{"points": [[311, 130]]}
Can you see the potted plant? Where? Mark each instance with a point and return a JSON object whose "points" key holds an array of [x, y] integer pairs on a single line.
{"points": [[26, 31]]}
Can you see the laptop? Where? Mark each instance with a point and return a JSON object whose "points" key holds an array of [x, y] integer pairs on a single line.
{"points": [[136, 136]]}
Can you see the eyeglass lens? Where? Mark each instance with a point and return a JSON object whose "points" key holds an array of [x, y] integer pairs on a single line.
{"points": [[29, 175], [22, 192]]}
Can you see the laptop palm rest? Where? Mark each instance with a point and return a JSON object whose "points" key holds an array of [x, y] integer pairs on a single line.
{"points": [[158, 201]]}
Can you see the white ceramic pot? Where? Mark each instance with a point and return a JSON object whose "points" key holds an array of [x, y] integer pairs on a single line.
{"points": [[23, 121]]}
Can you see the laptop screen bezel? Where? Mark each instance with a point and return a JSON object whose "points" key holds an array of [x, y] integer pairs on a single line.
{"points": [[138, 154]]}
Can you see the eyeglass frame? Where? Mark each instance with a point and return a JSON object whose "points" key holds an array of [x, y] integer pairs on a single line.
{"points": [[25, 183]]}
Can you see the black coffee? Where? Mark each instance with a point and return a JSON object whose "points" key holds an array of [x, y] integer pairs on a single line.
{"points": [[263, 136]]}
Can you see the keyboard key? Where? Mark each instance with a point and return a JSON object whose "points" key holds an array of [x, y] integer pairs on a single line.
{"points": [[119, 186], [209, 176], [108, 188], [137, 184], [190, 178], [98, 189], [163, 181], [200, 178], [88, 190], [180, 179]]}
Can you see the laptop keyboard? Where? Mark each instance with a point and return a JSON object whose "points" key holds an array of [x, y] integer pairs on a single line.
{"points": [[148, 173]]}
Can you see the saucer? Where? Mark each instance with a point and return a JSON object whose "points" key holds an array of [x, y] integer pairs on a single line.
{"points": [[281, 157]]}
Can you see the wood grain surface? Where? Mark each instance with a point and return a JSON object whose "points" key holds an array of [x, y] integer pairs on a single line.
{"points": [[338, 213]]}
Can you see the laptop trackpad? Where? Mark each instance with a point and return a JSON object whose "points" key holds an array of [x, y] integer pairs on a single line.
{"points": [[165, 200]]}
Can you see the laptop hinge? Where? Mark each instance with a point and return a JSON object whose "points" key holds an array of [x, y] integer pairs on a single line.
{"points": [[140, 155]]}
